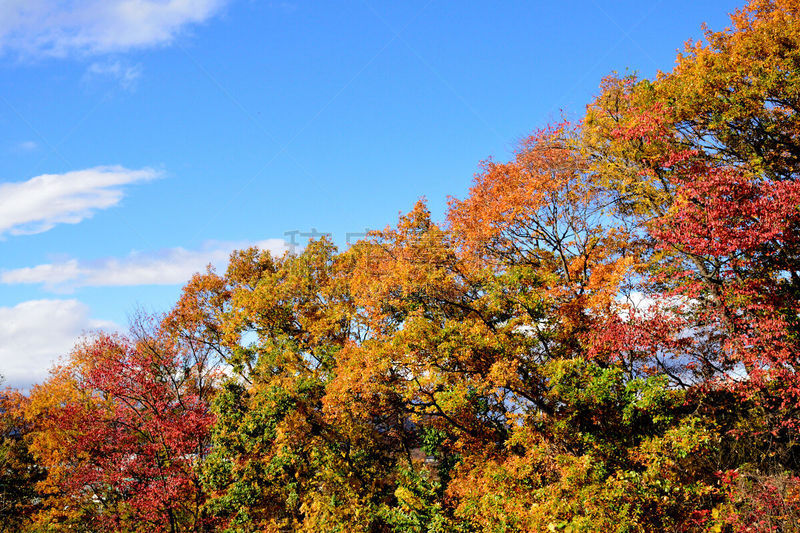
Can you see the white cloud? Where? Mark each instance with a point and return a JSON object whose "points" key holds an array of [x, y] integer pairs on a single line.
{"points": [[172, 266], [34, 334], [125, 75], [27, 146], [62, 27], [40, 203]]}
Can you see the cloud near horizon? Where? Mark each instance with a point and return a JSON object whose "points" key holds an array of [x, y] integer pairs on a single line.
{"points": [[39, 204], [59, 28], [171, 266], [36, 333]]}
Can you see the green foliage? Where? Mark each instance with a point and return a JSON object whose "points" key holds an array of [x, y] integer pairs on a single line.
{"points": [[419, 507]]}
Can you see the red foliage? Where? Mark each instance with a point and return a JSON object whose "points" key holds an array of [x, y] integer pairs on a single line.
{"points": [[136, 435]]}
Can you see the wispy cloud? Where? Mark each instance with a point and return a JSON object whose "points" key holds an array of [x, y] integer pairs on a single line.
{"points": [[34, 334], [61, 28], [172, 266], [286, 7], [27, 146], [125, 75], [40, 203]]}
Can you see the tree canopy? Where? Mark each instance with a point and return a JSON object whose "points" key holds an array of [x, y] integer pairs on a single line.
{"points": [[601, 336]]}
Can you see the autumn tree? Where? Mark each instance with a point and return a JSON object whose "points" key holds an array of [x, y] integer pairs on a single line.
{"points": [[601, 336], [704, 158], [122, 427], [19, 472], [278, 461]]}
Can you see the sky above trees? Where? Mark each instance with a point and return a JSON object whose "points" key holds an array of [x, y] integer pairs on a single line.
{"points": [[141, 144]]}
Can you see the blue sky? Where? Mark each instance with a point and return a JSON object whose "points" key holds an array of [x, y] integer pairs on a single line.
{"points": [[144, 139]]}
